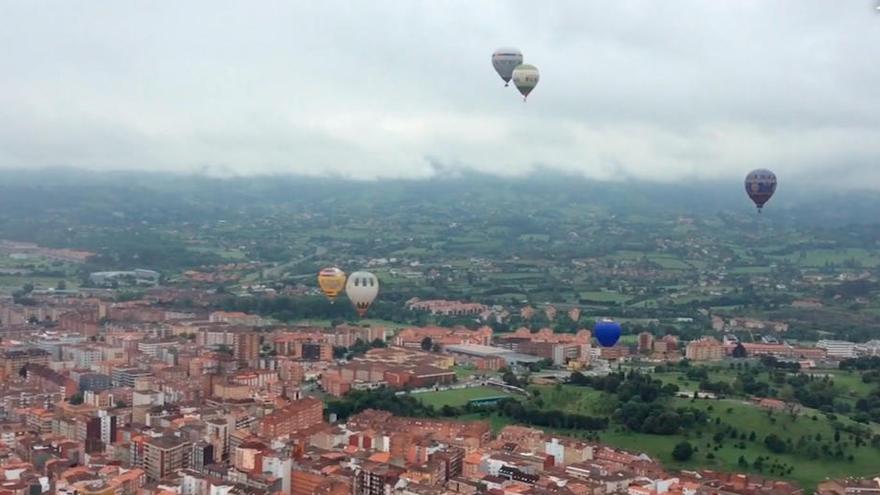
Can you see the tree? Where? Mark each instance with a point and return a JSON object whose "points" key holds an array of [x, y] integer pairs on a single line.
{"points": [[775, 444], [510, 378], [448, 411], [739, 351], [62, 285], [76, 399], [683, 451], [427, 344], [758, 464], [792, 409]]}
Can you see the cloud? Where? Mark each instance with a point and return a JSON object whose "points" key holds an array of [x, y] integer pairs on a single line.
{"points": [[631, 89]]}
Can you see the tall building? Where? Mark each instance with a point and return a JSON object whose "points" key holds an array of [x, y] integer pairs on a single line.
{"points": [[164, 455], [217, 433], [100, 431], [246, 347], [646, 342], [298, 416], [126, 377], [376, 479], [94, 382], [83, 356], [11, 361], [315, 351], [202, 455], [705, 349]]}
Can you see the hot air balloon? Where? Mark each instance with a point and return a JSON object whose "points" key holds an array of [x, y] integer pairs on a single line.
{"points": [[332, 282], [362, 288], [505, 60], [525, 78], [607, 332], [760, 186]]}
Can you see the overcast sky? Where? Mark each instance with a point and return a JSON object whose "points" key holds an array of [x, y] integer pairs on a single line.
{"points": [[650, 89]]}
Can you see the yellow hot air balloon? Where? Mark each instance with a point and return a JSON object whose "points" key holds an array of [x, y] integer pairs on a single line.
{"points": [[332, 282]]}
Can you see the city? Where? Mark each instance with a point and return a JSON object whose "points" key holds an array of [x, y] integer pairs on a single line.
{"points": [[101, 397], [470, 247]]}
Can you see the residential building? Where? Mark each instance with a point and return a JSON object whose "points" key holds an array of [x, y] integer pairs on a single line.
{"points": [[705, 349], [298, 416], [166, 454]]}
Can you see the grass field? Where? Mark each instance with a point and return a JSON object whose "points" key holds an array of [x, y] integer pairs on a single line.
{"points": [[603, 296], [15, 282], [458, 397], [669, 262], [628, 255], [534, 238], [819, 257], [850, 384], [742, 416], [749, 270]]}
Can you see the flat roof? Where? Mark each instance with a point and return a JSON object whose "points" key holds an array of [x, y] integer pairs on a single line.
{"points": [[489, 351], [477, 349]]}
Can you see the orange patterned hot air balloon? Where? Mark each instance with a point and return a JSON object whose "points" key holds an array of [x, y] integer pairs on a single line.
{"points": [[332, 282]]}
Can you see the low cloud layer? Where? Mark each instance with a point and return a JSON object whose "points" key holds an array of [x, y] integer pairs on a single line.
{"points": [[668, 91]]}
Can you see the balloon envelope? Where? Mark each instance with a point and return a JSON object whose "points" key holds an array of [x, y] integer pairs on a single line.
{"points": [[505, 60], [332, 281], [362, 288], [607, 332], [525, 78], [760, 186]]}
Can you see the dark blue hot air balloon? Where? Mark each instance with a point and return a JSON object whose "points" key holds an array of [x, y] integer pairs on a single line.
{"points": [[760, 186], [607, 332]]}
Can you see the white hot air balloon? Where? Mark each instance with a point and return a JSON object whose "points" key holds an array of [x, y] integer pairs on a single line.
{"points": [[362, 288], [525, 78], [505, 60]]}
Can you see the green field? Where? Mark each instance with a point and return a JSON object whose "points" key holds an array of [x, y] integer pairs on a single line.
{"points": [[603, 296], [851, 384], [819, 257], [628, 255], [14, 282], [742, 416], [668, 262], [458, 397], [750, 270], [534, 238]]}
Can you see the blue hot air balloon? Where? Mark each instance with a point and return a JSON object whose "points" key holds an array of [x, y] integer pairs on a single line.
{"points": [[607, 332]]}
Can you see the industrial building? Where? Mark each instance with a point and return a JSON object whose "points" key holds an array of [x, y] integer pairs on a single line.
{"points": [[475, 354]]}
